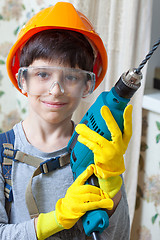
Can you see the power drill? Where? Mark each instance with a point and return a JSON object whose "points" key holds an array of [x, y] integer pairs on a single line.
{"points": [[94, 222]]}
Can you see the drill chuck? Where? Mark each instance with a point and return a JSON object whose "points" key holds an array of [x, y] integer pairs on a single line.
{"points": [[128, 83]]}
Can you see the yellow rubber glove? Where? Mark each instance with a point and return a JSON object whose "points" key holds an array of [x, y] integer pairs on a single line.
{"points": [[111, 185], [47, 225], [78, 200], [108, 155], [81, 198]]}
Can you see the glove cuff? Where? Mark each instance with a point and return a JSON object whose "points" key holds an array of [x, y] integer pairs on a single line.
{"points": [[47, 225], [111, 185]]}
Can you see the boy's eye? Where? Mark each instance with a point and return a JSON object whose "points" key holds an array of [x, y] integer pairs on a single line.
{"points": [[43, 75], [72, 78]]}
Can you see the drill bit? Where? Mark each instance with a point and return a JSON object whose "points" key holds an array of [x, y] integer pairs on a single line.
{"points": [[147, 56], [95, 236]]}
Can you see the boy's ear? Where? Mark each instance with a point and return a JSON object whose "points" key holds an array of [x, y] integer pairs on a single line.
{"points": [[86, 89]]}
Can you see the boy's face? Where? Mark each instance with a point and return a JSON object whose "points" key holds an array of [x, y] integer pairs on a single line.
{"points": [[58, 103]]}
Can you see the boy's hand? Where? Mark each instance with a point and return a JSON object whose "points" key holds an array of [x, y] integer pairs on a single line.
{"points": [[108, 155], [78, 200]]}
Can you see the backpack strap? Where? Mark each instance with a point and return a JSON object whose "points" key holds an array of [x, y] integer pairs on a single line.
{"points": [[43, 168], [9, 155], [7, 142]]}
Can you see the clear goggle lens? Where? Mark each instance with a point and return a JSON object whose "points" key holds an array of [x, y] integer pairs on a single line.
{"points": [[42, 80]]}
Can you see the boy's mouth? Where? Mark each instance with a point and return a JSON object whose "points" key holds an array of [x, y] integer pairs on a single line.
{"points": [[54, 104]]}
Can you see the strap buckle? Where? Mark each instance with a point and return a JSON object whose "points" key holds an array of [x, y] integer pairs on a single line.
{"points": [[9, 153], [50, 165], [8, 192]]}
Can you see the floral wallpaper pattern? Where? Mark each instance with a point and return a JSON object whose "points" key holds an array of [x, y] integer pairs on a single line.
{"points": [[13, 108], [12, 9], [146, 224]]}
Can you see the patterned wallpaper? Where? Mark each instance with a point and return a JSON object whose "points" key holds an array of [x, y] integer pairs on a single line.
{"points": [[146, 224], [13, 108]]}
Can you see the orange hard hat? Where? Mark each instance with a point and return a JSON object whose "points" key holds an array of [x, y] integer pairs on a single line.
{"points": [[62, 15]]}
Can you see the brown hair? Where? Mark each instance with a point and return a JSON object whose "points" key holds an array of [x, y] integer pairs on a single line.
{"points": [[66, 46]]}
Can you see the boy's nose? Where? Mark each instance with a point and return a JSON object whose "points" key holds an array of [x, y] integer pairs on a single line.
{"points": [[56, 88]]}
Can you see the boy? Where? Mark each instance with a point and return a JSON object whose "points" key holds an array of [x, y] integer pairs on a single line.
{"points": [[54, 63]]}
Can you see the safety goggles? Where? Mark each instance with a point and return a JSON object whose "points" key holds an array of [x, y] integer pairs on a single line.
{"points": [[42, 80]]}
